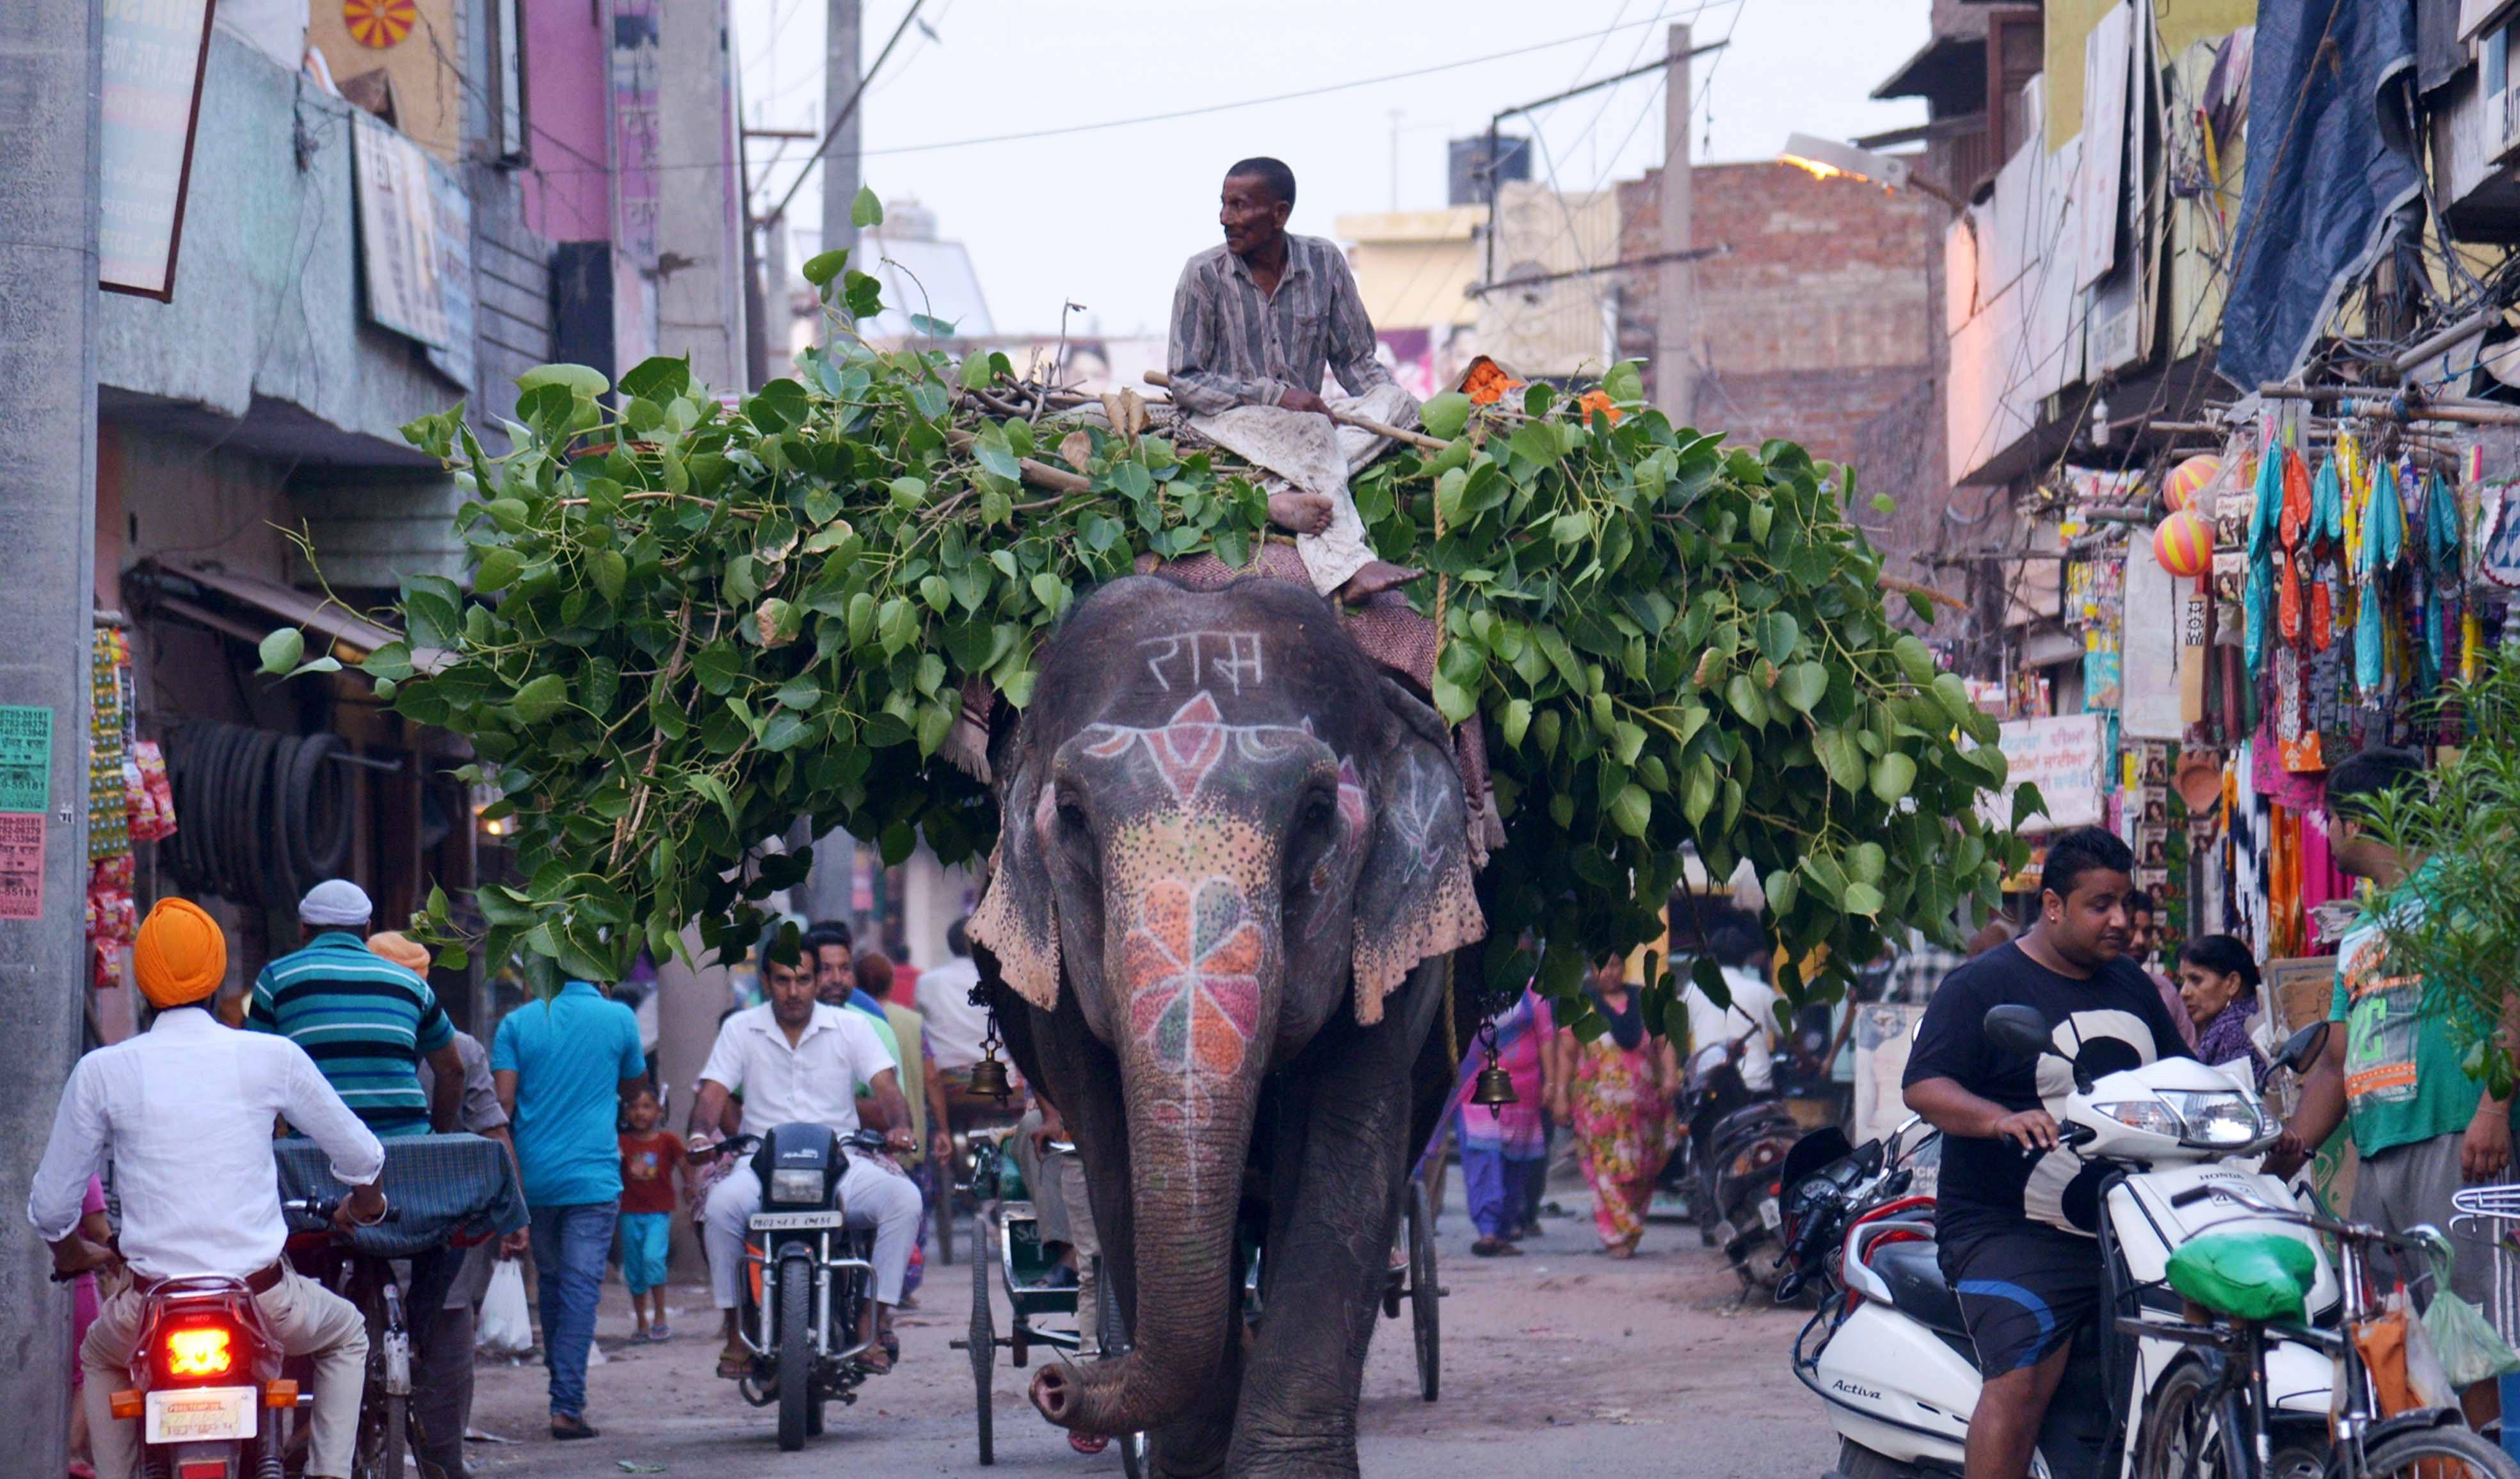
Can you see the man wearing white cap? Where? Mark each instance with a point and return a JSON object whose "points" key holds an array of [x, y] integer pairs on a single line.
{"points": [[366, 1021]]}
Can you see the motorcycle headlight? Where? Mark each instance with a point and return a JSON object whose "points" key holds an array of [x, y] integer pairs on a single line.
{"points": [[2222, 1121], [796, 1187], [2150, 1115]]}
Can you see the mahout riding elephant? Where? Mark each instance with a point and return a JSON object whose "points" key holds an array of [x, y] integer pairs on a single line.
{"points": [[1231, 875]]}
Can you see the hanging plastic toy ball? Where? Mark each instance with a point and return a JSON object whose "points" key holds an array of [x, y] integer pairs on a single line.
{"points": [[2188, 480], [2185, 544]]}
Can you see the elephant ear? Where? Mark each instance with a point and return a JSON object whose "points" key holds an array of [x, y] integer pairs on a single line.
{"points": [[1016, 918], [1415, 896]]}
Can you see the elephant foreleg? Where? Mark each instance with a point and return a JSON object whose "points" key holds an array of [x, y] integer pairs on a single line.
{"points": [[1327, 1256]]}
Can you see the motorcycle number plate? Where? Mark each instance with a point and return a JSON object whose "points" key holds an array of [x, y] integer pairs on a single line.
{"points": [[794, 1222], [201, 1415], [1769, 1214]]}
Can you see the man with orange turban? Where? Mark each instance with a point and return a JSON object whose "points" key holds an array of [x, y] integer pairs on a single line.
{"points": [[199, 1191]]}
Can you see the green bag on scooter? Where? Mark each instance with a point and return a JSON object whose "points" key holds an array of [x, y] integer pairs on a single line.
{"points": [[2260, 1277]]}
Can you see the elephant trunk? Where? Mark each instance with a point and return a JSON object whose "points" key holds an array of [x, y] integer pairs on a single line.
{"points": [[1200, 968], [1185, 1285]]}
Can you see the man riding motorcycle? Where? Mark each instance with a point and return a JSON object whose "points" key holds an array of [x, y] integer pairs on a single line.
{"points": [[797, 1061], [185, 1111], [2016, 1206]]}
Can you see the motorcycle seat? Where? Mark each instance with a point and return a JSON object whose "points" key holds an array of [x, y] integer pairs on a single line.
{"points": [[1915, 1276]]}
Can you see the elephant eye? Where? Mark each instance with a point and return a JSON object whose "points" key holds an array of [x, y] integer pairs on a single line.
{"points": [[1312, 836]]}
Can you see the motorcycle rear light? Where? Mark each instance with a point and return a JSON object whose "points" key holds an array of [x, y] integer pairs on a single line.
{"points": [[280, 1393], [206, 1468], [200, 1351], [128, 1405]]}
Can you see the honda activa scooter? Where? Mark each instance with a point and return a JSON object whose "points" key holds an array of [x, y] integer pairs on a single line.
{"points": [[1888, 1353]]}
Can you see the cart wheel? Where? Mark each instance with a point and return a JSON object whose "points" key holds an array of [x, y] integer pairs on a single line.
{"points": [[983, 1339], [1423, 1291], [1113, 1337]]}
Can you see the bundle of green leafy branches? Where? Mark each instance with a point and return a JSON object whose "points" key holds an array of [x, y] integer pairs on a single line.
{"points": [[691, 627], [2457, 925]]}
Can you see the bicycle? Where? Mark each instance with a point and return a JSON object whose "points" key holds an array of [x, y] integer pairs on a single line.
{"points": [[383, 1449], [2211, 1418]]}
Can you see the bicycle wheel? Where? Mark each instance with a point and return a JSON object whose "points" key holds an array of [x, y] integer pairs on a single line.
{"points": [[1424, 1292], [2441, 1453], [2184, 1436], [983, 1339]]}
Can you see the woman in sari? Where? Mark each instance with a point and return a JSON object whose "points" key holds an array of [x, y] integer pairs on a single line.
{"points": [[1506, 1148], [1616, 1092], [2217, 982]]}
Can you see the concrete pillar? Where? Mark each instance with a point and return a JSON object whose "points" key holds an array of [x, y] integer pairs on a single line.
{"points": [[689, 1003], [1675, 372], [700, 211], [50, 81], [932, 897]]}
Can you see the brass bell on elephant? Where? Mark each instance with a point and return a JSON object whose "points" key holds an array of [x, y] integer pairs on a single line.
{"points": [[1495, 1087], [989, 1076]]}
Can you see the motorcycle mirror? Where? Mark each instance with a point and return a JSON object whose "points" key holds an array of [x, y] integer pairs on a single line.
{"points": [[2302, 1048], [2018, 1030]]}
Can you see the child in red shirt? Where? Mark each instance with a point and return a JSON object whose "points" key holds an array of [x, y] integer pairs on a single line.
{"points": [[650, 1159]]}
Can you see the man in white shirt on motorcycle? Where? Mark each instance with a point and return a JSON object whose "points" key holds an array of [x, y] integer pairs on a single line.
{"points": [[797, 1061], [1739, 1032], [184, 1113]]}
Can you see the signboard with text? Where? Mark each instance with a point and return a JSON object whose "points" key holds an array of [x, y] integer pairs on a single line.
{"points": [[2061, 756], [154, 56]]}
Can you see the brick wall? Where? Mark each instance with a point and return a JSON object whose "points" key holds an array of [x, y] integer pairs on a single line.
{"points": [[1816, 326]]}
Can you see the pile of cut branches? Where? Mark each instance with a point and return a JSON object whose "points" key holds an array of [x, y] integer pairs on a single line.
{"points": [[692, 625]]}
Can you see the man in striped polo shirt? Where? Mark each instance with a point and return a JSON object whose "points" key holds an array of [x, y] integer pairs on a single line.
{"points": [[366, 1021]]}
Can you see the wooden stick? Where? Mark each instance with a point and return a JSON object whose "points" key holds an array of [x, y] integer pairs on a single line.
{"points": [[1910, 588], [1037, 474], [1346, 418]]}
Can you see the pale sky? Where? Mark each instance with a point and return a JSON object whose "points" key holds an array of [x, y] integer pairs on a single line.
{"points": [[1107, 218]]}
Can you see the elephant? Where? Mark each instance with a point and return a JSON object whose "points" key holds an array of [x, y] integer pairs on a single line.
{"points": [[1231, 878]]}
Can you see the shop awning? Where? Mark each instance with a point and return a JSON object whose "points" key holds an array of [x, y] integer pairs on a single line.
{"points": [[246, 607]]}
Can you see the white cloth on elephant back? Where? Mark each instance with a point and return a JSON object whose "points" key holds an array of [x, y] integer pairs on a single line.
{"points": [[1311, 453]]}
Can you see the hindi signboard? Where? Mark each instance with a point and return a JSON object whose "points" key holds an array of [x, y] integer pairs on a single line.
{"points": [[2061, 756], [156, 52]]}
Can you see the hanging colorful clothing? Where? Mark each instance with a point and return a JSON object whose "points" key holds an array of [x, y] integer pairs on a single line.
{"points": [[1624, 1126], [1505, 1149]]}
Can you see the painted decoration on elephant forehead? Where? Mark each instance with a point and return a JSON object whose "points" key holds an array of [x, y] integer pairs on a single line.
{"points": [[1196, 660], [1193, 963], [1188, 745]]}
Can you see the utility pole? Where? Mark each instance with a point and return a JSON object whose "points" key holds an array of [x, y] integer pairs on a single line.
{"points": [[1675, 285], [51, 77], [1395, 159], [840, 79]]}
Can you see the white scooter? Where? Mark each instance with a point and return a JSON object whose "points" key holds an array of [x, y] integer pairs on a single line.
{"points": [[1893, 1361]]}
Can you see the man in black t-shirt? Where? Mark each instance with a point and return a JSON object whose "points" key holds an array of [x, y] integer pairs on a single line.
{"points": [[2016, 1209]]}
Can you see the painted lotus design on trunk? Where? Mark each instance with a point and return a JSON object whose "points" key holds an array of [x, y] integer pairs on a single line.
{"points": [[1193, 961]]}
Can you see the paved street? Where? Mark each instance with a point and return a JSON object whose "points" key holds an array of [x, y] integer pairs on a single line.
{"points": [[1583, 1364]]}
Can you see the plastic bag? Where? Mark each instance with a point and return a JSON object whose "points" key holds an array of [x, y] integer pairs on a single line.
{"points": [[2255, 1275], [505, 1325], [2406, 1372], [2468, 1348]]}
